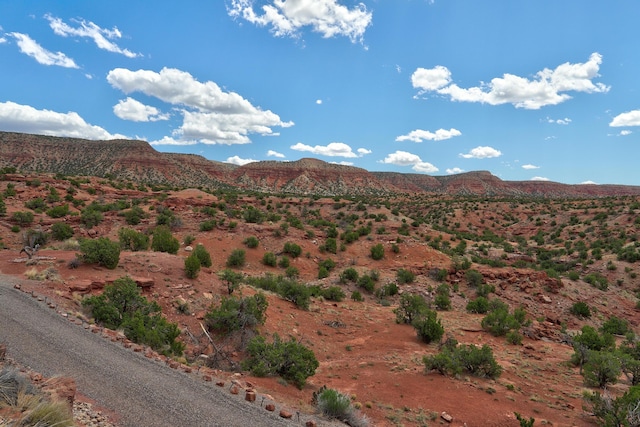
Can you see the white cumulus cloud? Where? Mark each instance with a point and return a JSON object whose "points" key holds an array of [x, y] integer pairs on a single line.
{"points": [[539, 178], [564, 121], [288, 17], [482, 153], [630, 118], [333, 149], [31, 48], [210, 115], [548, 87], [272, 153], [100, 36], [452, 171], [131, 109], [529, 167], [26, 119], [420, 135], [404, 158], [236, 160]]}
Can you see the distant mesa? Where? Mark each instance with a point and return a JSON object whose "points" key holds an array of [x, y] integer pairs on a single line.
{"points": [[138, 161]]}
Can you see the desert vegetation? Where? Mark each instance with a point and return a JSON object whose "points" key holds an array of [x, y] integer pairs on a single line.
{"points": [[484, 292]]}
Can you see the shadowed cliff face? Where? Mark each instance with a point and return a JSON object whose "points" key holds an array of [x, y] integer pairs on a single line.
{"points": [[138, 161]]}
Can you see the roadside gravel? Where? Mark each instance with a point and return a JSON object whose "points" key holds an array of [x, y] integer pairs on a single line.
{"points": [[142, 391]]}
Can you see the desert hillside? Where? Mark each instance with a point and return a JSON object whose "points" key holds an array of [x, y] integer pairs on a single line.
{"points": [[139, 162], [340, 275]]}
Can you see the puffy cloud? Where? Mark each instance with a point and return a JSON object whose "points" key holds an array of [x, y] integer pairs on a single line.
{"points": [[625, 132], [482, 153], [31, 48], [431, 79], [452, 171], [235, 160], [529, 167], [539, 178], [549, 87], [211, 115], [3, 39], [342, 163], [272, 153], [333, 149], [100, 36], [630, 118], [404, 158], [288, 17], [319, 101], [589, 183], [24, 118], [420, 135], [363, 151], [130, 109]]}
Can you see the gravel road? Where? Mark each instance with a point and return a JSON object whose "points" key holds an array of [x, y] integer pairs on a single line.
{"points": [[144, 392]]}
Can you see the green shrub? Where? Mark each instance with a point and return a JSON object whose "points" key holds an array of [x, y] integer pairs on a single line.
{"points": [[622, 411], [203, 255], [411, 308], [91, 216], [333, 404], [121, 306], [330, 245], [163, 240], [474, 278], [22, 218], [366, 282], [58, 211], [499, 322], [292, 249], [269, 259], [333, 293], [101, 251], [356, 296], [479, 305], [231, 278], [291, 360], [477, 361], [284, 262], [37, 204], [601, 368], [514, 337], [615, 326], [405, 276], [134, 215], [237, 314], [597, 280], [133, 240], [580, 309], [349, 275], [208, 225], [323, 272], [61, 231], [237, 258], [3, 207], [428, 327], [377, 252], [251, 242], [192, 266]]}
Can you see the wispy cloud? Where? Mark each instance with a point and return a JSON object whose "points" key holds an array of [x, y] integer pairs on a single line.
{"points": [[549, 87], [100, 36], [31, 48], [530, 167], [564, 121], [288, 17]]}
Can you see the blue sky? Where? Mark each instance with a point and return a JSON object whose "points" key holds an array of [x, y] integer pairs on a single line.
{"points": [[528, 90]]}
